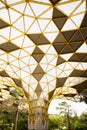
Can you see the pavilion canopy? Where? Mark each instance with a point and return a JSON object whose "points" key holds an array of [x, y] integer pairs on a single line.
{"points": [[43, 47]]}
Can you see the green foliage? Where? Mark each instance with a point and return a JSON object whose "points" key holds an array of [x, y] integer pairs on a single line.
{"points": [[7, 121], [78, 123], [64, 108], [22, 121], [81, 123], [7, 117], [56, 122], [17, 93]]}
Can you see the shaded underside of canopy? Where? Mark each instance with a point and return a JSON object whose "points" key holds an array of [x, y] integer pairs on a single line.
{"points": [[43, 48]]}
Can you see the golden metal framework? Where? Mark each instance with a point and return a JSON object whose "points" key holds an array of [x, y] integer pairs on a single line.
{"points": [[43, 49]]}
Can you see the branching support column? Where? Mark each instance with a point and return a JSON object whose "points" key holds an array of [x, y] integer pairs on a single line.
{"points": [[38, 119]]}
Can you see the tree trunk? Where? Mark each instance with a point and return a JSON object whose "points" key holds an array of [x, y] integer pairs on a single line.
{"points": [[28, 121], [68, 122], [16, 120]]}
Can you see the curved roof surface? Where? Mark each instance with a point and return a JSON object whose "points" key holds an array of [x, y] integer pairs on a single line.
{"points": [[43, 47]]}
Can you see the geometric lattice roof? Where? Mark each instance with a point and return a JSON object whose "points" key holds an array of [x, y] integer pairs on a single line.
{"points": [[43, 47]]}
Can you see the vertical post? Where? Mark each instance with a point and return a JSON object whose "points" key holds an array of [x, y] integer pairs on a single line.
{"points": [[16, 120], [28, 121], [38, 120], [68, 122]]}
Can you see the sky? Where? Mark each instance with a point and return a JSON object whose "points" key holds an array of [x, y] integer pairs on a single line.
{"points": [[79, 107]]}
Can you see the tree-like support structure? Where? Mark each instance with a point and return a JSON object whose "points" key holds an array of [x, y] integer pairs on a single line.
{"points": [[38, 117], [36, 121], [43, 51]]}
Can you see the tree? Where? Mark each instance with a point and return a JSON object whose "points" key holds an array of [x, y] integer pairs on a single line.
{"points": [[55, 121], [22, 121], [17, 94], [81, 123], [8, 119], [66, 111]]}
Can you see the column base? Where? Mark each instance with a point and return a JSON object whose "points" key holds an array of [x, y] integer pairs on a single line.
{"points": [[38, 125]]}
